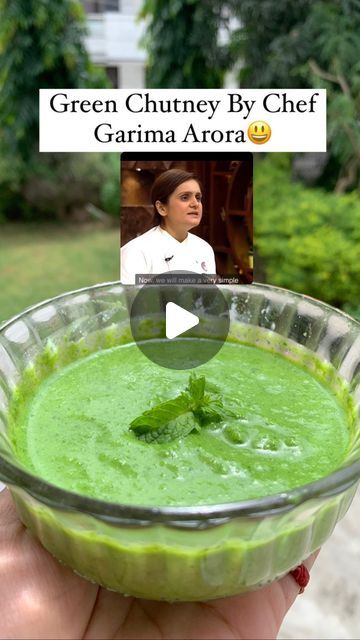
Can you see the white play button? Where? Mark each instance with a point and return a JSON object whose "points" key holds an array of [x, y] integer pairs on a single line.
{"points": [[161, 312], [178, 320]]}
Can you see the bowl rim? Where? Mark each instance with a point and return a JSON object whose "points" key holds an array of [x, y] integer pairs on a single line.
{"points": [[209, 514]]}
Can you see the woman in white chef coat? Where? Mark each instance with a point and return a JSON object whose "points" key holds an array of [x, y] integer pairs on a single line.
{"points": [[176, 197]]}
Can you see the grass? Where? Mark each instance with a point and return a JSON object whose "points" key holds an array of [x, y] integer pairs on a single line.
{"points": [[41, 261]]}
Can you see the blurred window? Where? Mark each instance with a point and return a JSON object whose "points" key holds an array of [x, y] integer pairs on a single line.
{"points": [[113, 75], [101, 6]]}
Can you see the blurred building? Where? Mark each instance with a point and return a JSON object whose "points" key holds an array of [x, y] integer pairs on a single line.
{"points": [[114, 34], [113, 41]]}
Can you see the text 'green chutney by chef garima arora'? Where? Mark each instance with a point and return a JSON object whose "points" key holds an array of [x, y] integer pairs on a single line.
{"points": [[115, 426]]}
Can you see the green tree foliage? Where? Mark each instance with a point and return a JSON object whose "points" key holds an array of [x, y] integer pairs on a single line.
{"points": [[41, 46], [61, 185], [182, 44], [270, 42], [308, 44], [308, 239]]}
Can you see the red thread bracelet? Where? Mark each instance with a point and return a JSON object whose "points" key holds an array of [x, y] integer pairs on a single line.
{"points": [[302, 576]]}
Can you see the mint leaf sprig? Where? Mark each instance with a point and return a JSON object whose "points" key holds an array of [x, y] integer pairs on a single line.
{"points": [[176, 418]]}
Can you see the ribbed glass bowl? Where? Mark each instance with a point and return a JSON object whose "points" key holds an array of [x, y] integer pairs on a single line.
{"points": [[180, 553]]}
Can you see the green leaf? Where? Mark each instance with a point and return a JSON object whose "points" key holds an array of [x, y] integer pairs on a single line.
{"points": [[177, 428], [196, 388], [176, 418], [211, 410], [160, 415]]}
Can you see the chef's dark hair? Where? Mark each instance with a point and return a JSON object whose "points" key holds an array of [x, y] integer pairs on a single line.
{"points": [[165, 184]]}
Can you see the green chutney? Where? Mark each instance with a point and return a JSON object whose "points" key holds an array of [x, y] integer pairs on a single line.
{"points": [[288, 428]]}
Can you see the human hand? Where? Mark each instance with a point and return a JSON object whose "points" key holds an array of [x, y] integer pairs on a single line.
{"points": [[40, 598]]}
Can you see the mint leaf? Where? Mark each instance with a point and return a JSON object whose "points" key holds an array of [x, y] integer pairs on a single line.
{"points": [[176, 418], [196, 388], [160, 415], [212, 388], [177, 428], [211, 410]]}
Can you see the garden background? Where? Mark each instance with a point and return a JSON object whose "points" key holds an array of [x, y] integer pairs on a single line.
{"points": [[59, 212]]}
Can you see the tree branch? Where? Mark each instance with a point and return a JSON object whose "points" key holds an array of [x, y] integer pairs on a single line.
{"points": [[340, 80], [348, 179]]}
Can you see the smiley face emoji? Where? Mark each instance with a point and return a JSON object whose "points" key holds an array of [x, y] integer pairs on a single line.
{"points": [[259, 132]]}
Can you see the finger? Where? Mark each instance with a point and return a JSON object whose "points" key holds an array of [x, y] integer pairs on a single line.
{"points": [[289, 585], [39, 598], [8, 515]]}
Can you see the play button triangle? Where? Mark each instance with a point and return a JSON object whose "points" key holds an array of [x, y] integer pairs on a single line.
{"points": [[178, 320]]}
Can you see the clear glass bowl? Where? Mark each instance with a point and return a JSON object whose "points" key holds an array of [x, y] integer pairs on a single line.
{"points": [[180, 553]]}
